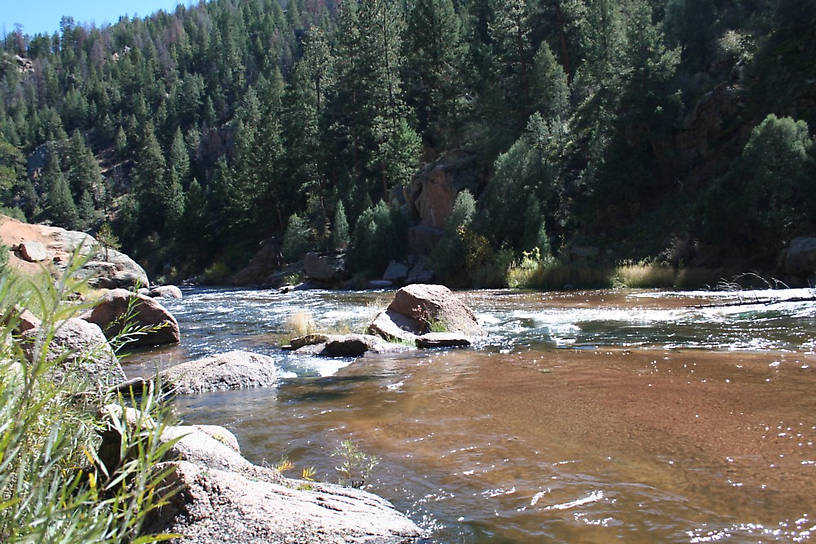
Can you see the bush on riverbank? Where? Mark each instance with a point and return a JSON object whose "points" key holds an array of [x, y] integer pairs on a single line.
{"points": [[53, 486]]}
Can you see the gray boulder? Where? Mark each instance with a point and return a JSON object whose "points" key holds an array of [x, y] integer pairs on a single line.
{"points": [[114, 304], [231, 370], [214, 505], [418, 307], [80, 349], [327, 268]]}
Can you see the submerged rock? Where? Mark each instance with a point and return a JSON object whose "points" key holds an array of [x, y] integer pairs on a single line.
{"points": [[114, 304], [231, 370]]}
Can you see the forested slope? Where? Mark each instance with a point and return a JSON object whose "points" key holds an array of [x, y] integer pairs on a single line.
{"points": [[676, 130]]}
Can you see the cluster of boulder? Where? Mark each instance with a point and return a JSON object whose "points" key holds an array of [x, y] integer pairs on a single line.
{"points": [[419, 316]]}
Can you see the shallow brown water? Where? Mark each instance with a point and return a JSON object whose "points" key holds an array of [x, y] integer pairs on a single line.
{"points": [[525, 442]]}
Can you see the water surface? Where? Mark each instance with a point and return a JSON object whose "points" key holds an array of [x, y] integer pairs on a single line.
{"points": [[582, 417]]}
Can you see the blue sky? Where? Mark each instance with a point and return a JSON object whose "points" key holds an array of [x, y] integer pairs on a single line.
{"points": [[39, 16]]}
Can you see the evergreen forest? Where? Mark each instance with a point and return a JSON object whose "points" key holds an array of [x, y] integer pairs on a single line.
{"points": [[676, 132]]}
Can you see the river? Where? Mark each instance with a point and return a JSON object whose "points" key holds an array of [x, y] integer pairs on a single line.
{"points": [[595, 416]]}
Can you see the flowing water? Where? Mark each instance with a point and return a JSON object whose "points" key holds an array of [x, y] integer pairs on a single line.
{"points": [[625, 416]]}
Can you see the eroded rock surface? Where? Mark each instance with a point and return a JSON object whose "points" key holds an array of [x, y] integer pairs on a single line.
{"points": [[231, 370]]}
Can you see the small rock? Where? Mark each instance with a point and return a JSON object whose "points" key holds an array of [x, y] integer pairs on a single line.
{"points": [[442, 340], [32, 251], [308, 340], [231, 370]]}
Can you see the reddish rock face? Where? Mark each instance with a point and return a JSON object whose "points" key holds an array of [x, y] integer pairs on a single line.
{"points": [[147, 313]]}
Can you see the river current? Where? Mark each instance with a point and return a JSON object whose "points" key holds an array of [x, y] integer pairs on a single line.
{"points": [[596, 416]]}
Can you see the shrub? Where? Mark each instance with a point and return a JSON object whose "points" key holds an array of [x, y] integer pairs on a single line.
{"points": [[297, 239], [379, 236]]}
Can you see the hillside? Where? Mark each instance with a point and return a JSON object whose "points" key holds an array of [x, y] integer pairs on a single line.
{"points": [[674, 131]]}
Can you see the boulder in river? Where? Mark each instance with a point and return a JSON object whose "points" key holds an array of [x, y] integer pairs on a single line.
{"points": [[165, 291], [418, 308], [215, 505], [231, 370], [344, 345], [114, 304], [222, 497], [81, 349]]}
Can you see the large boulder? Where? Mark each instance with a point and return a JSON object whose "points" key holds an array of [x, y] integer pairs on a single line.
{"points": [[80, 349], [54, 246], [214, 505], [231, 370], [419, 308], [109, 313], [800, 259], [325, 267]]}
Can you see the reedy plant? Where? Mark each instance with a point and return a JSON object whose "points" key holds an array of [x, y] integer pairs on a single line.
{"points": [[53, 486]]}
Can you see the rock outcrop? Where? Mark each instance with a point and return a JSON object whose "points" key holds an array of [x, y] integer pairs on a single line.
{"points": [[82, 351], [114, 304], [231, 370], [40, 245], [223, 497], [418, 308]]}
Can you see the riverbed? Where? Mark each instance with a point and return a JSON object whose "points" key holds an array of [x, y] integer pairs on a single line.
{"points": [[599, 416]]}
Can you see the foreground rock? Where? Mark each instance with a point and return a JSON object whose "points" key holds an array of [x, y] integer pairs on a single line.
{"points": [[344, 345], [114, 304], [82, 351], [220, 506], [52, 247], [418, 308], [231, 370], [222, 497]]}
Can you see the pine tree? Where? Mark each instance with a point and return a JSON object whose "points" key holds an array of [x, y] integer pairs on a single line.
{"points": [[434, 51], [61, 206], [340, 232]]}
